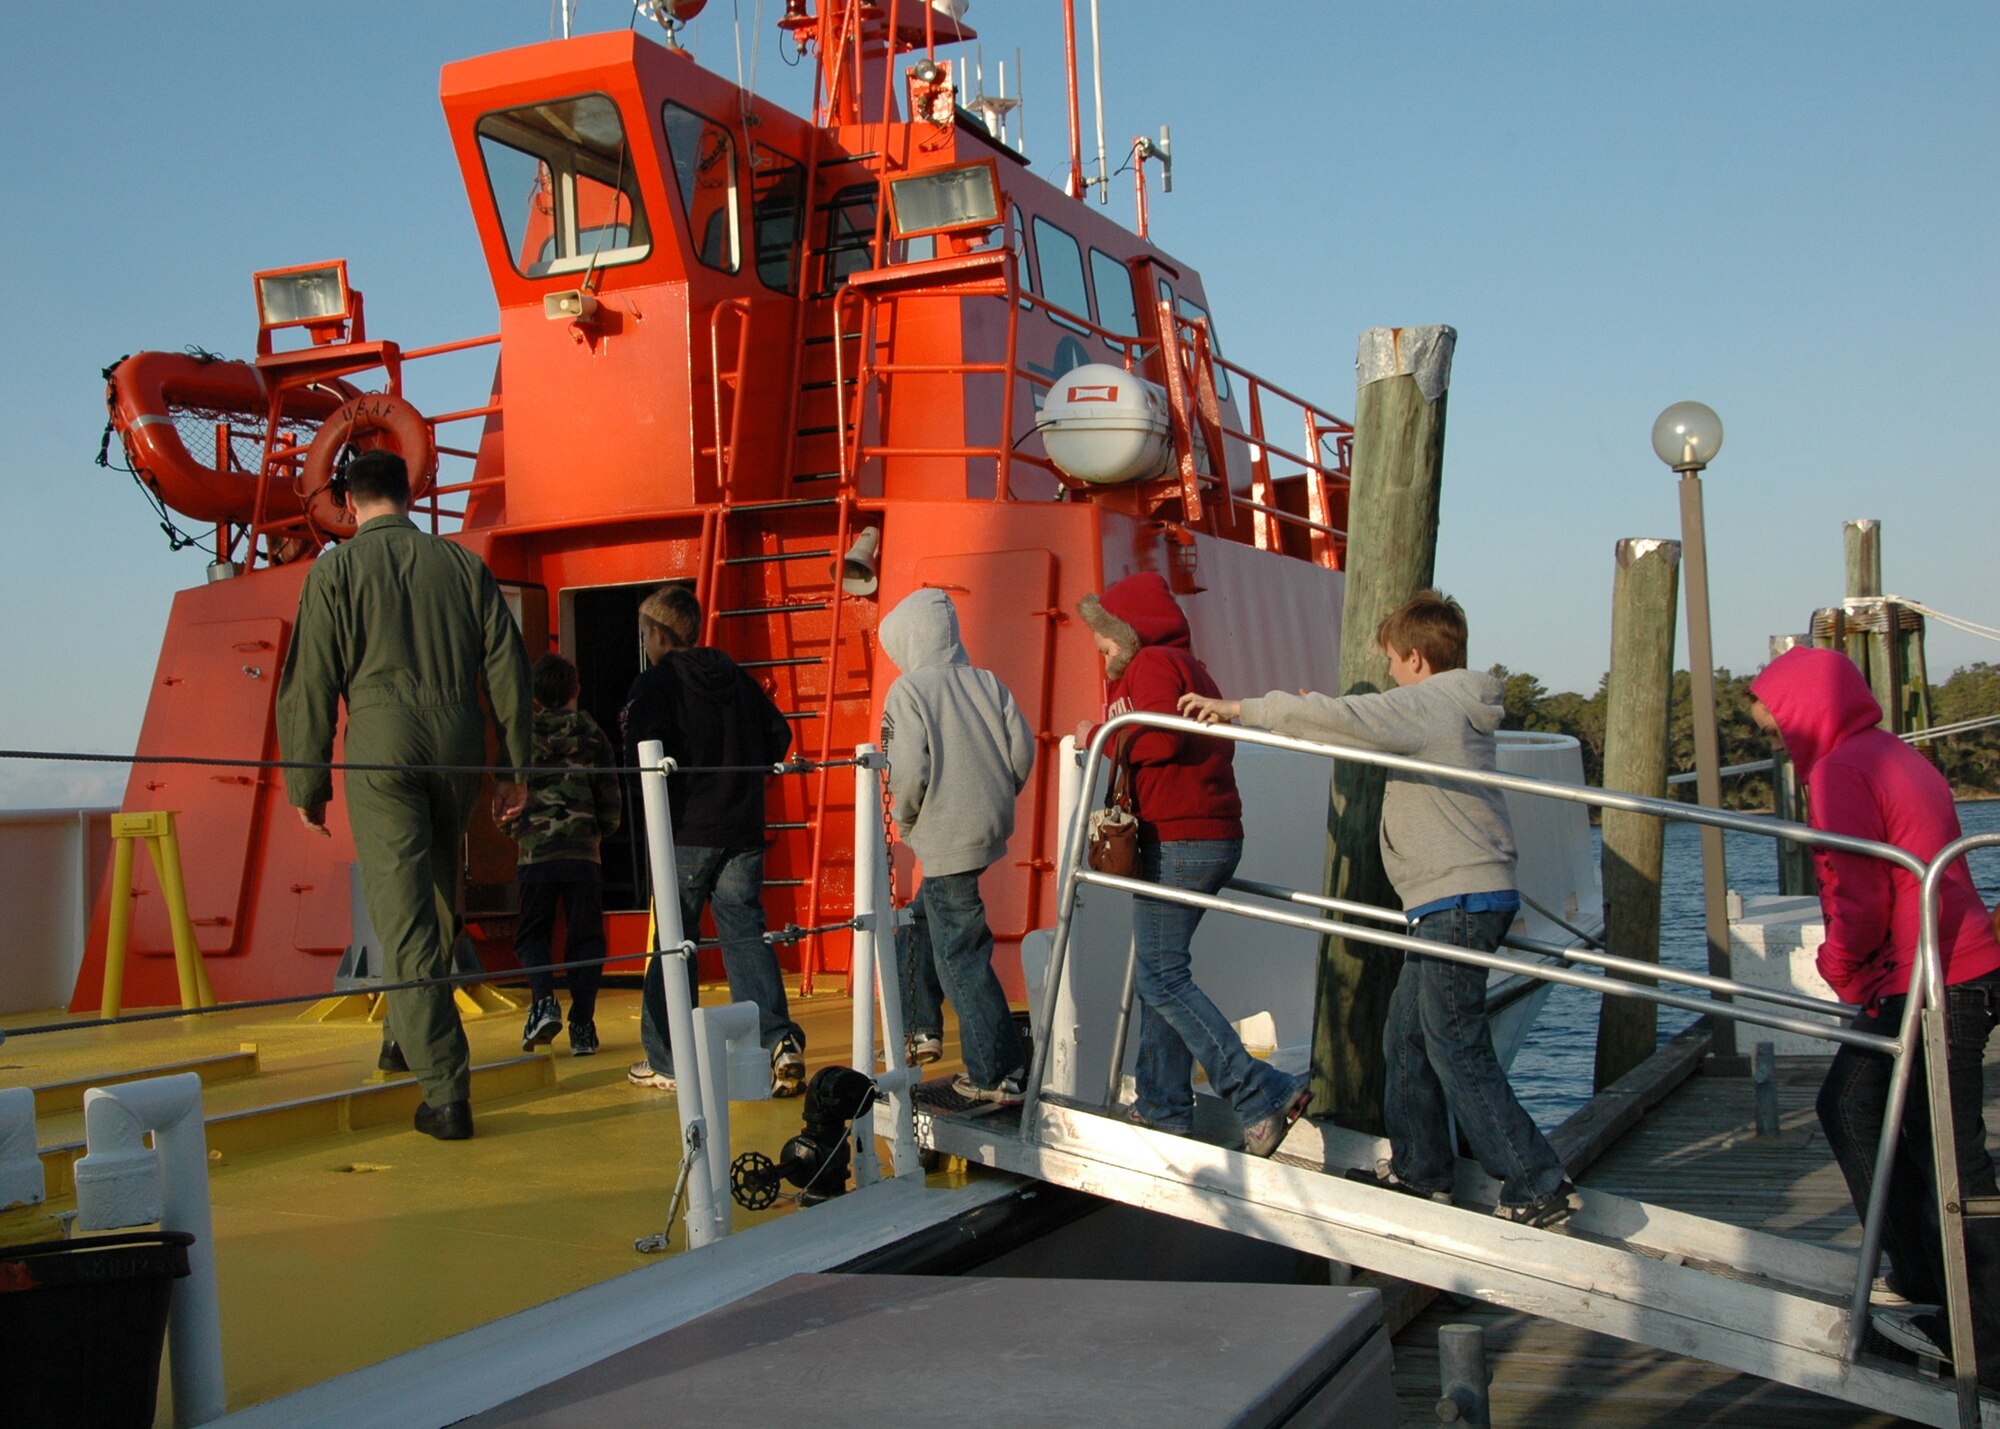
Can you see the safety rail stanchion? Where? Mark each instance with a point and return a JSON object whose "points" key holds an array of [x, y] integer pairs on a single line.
{"points": [[1070, 868], [703, 1224], [1922, 1031], [870, 917], [715, 1030], [1954, 1209], [875, 981]]}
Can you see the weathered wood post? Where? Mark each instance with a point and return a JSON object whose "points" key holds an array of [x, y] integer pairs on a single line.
{"points": [[1863, 541], [1887, 645], [1788, 801], [1401, 379], [1637, 695]]}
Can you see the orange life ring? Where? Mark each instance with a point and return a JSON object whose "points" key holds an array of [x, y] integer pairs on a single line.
{"points": [[374, 421], [146, 390]]}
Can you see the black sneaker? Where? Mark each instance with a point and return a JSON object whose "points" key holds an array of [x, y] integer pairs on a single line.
{"points": [[1551, 1210], [583, 1039], [1384, 1179], [544, 1021]]}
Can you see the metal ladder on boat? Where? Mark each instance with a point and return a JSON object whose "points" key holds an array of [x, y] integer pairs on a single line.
{"points": [[756, 602], [1743, 1299]]}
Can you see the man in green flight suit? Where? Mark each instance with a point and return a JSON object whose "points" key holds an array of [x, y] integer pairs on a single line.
{"points": [[402, 625]]}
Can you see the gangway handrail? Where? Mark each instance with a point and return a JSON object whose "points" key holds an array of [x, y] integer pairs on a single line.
{"points": [[1922, 1026]]}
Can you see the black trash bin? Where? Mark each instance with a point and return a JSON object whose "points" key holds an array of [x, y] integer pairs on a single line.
{"points": [[83, 1323]]}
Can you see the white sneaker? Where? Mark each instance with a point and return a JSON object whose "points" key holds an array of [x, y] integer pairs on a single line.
{"points": [[641, 1074], [924, 1049], [1008, 1093], [1899, 1328]]}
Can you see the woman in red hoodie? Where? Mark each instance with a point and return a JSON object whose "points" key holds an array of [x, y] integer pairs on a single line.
{"points": [[1862, 780], [1190, 836]]}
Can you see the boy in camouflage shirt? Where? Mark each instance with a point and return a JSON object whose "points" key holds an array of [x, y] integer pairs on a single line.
{"points": [[570, 808]]}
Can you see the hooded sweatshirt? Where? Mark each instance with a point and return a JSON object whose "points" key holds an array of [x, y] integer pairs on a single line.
{"points": [[959, 750], [1864, 781], [1183, 785], [1439, 840], [570, 806], [707, 712]]}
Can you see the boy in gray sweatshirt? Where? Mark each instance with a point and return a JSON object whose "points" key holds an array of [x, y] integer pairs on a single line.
{"points": [[959, 753], [1449, 851]]}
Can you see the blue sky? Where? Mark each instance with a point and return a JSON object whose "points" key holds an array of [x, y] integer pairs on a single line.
{"points": [[1785, 210]]}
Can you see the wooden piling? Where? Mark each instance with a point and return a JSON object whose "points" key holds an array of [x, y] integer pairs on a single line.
{"points": [[1402, 376], [1788, 801], [1863, 541], [1637, 694]]}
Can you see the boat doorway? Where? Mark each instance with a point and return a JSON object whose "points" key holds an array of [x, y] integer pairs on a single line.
{"points": [[600, 633]]}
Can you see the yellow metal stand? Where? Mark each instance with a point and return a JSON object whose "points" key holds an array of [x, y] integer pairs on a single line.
{"points": [[157, 829]]}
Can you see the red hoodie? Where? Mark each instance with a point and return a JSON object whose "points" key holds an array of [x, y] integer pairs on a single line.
{"points": [[1184, 785], [1862, 780]]}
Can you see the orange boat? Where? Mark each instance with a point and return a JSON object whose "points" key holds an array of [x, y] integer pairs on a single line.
{"points": [[807, 364]]}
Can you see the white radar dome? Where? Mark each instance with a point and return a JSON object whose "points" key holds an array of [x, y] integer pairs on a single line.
{"points": [[1104, 426]]}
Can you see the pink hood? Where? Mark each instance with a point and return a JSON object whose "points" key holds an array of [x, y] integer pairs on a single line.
{"points": [[1818, 699]]}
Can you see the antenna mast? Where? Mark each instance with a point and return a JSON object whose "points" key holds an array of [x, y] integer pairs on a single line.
{"points": [[1097, 83]]}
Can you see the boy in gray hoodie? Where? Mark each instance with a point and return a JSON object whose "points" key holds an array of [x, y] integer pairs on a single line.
{"points": [[959, 753], [1449, 851]]}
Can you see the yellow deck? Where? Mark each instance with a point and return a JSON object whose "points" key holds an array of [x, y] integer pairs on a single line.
{"points": [[340, 1248]]}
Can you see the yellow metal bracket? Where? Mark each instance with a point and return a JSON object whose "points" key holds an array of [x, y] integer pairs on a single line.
{"points": [[157, 829]]}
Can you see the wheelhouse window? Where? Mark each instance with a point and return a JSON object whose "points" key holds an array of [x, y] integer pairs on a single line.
{"points": [[1194, 312], [704, 160], [850, 235], [1117, 309], [562, 183], [777, 217], [1060, 262], [1017, 239]]}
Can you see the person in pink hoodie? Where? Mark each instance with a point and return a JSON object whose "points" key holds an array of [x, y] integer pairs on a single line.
{"points": [[1864, 781]]}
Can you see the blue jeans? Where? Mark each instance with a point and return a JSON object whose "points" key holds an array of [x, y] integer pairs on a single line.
{"points": [[1439, 1050], [1177, 1022], [731, 883], [947, 952], [1853, 1101]]}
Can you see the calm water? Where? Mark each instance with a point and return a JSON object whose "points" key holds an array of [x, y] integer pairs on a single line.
{"points": [[1552, 1073]]}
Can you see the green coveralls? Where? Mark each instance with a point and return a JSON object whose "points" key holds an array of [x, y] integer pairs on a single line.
{"points": [[401, 625]]}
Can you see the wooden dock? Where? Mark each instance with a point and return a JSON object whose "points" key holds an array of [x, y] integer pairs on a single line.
{"points": [[1695, 1151]]}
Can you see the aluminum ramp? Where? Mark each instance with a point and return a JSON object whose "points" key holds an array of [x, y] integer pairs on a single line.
{"points": [[1739, 1298]]}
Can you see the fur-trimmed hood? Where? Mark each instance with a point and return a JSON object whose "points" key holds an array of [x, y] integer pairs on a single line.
{"points": [[1135, 612]]}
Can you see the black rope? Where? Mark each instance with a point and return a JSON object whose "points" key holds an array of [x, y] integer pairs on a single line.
{"points": [[797, 765], [790, 933]]}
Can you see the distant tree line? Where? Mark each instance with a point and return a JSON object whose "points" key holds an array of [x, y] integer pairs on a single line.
{"points": [[1970, 761]]}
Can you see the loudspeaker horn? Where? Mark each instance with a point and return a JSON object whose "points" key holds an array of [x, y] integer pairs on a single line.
{"points": [[857, 567]]}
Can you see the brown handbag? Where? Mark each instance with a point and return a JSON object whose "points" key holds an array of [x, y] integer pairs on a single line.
{"points": [[1112, 844]]}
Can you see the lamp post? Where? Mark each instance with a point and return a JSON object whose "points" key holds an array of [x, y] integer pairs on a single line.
{"points": [[1686, 437]]}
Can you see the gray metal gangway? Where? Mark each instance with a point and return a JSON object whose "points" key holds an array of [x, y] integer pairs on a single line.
{"points": [[1748, 1300]]}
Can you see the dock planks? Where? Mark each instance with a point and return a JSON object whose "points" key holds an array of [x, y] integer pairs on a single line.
{"points": [[1698, 1152]]}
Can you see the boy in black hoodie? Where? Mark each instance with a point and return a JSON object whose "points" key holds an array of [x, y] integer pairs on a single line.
{"points": [[707, 713]]}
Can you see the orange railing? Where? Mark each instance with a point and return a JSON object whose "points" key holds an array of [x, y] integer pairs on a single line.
{"points": [[1188, 364]]}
